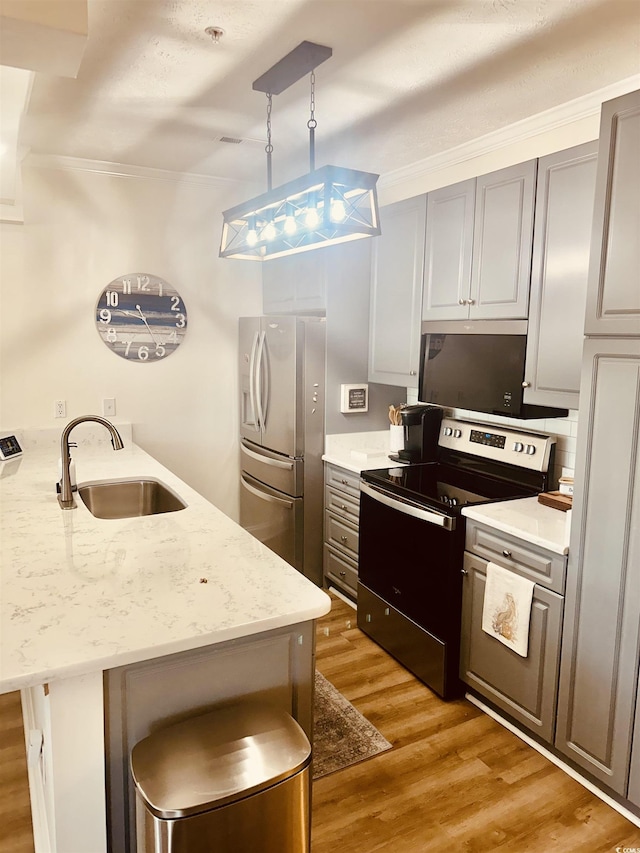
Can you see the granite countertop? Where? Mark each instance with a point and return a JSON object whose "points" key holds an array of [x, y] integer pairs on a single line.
{"points": [[528, 519], [359, 451], [80, 594]]}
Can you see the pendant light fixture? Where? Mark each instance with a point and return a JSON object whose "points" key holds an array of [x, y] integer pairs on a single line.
{"points": [[326, 206]]}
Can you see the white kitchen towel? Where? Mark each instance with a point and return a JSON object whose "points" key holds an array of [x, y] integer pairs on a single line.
{"points": [[507, 608]]}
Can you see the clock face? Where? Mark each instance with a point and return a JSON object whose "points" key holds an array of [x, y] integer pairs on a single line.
{"points": [[141, 317]]}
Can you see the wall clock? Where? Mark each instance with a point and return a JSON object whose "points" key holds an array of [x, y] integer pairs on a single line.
{"points": [[141, 317]]}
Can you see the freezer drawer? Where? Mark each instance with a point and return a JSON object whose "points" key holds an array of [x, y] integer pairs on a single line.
{"points": [[274, 518], [283, 473]]}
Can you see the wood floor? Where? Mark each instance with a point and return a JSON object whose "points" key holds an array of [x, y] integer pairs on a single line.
{"points": [[455, 779]]}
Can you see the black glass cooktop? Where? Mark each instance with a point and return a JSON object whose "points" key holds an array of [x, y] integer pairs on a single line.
{"points": [[446, 487]]}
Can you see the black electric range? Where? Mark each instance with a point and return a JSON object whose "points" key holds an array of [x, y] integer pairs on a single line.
{"points": [[411, 542]]}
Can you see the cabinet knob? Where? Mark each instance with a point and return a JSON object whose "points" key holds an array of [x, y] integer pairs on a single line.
{"points": [[343, 574], [526, 384], [343, 538], [506, 553], [462, 301], [412, 373], [464, 572], [471, 301]]}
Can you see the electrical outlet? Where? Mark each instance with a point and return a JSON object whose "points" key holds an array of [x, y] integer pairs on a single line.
{"points": [[109, 407], [60, 408]]}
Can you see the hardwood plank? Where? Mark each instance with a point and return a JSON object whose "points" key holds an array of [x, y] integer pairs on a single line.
{"points": [[454, 780], [16, 834]]}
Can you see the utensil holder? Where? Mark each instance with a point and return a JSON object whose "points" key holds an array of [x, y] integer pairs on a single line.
{"points": [[396, 437]]}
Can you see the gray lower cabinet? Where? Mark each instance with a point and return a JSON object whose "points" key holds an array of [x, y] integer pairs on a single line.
{"points": [[601, 638], [613, 303], [396, 294], [341, 519], [525, 688], [561, 240]]}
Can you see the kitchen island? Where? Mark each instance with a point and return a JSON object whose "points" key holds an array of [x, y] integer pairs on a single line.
{"points": [[111, 628]]}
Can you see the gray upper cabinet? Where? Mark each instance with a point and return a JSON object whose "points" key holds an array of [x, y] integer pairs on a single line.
{"points": [[296, 284], [449, 245], [613, 302], [599, 661], [562, 234], [502, 240], [396, 294], [478, 247]]}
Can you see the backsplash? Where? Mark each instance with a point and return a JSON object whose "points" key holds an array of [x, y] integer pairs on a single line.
{"points": [[565, 430]]}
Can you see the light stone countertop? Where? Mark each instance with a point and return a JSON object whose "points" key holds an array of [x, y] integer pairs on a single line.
{"points": [[527, 519], [80, 594], [359, 451]]}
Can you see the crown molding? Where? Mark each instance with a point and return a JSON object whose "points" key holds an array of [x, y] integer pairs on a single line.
{"points": [[121, 170], [586, 106]]}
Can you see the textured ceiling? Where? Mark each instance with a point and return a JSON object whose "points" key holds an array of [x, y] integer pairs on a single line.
{"points": [[406, 79]]}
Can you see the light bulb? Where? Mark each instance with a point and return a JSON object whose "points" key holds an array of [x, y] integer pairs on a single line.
{"points": [[269, 231], [252, 234], [338, 212], [290, 226], [312, 217]]}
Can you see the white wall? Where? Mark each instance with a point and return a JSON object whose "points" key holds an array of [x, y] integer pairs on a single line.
{"points": [[81, 230]]}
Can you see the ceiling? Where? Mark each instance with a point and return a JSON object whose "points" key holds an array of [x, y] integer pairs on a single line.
{"points": [[407, 79]]}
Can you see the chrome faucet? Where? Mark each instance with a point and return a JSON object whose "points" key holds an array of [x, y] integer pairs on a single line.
{"points": [[65, 498]]}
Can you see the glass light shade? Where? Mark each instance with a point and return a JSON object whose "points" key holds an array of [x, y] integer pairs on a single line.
{"points": [[329, 191]]}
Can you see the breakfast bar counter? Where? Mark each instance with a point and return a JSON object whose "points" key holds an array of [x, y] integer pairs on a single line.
{"points": [[110, 627]]}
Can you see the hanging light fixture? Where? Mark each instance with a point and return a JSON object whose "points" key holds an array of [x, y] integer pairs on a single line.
{"points": [[326, 206]]}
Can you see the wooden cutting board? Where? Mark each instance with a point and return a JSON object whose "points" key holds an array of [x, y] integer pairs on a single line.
{"points": [[556, 500]]}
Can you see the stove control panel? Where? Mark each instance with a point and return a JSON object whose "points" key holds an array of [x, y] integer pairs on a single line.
{"points": [[524, 449]]}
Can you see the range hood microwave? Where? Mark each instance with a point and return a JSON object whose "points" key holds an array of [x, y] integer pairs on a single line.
{"points": [[477, 366]]}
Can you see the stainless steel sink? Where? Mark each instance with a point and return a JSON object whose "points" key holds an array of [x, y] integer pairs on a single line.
{"points": [[129, 498]]}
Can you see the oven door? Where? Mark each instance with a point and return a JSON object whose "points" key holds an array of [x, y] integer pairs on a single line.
{"points": [[410, 584]]}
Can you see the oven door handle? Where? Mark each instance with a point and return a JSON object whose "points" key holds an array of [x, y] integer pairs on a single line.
{"points": [[445, 521]]}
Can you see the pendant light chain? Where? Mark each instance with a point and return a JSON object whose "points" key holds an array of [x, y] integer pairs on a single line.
{"points": [[312, 124], [269, 147]]}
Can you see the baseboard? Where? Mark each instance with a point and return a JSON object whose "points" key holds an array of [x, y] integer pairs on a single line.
{"points": [[630, 816]]}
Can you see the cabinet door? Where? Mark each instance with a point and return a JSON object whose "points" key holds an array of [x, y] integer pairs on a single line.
{"points": [[502, 243], [524, 687], [296, 284], [599, 666], [613, 302], [561, 240], [396, 294], [448, 250]]}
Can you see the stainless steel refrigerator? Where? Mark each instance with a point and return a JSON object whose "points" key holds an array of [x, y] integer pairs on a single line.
{"points": [[282, 379]]}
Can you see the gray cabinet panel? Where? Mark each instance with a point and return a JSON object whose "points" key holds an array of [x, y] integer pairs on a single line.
{"points": [[599, 668], [448, 251], [502, 241], [523, 687], [613, 304], [562, 235], [341, 531], [296, 284], [396, 294]]}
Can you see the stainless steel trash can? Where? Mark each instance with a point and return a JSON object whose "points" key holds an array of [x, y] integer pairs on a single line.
{"points": [[236, 779]]}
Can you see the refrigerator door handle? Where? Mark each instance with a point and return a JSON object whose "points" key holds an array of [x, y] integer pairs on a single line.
{"points": [[264, 496], [262, 378], [266, 460], [252, 383]]}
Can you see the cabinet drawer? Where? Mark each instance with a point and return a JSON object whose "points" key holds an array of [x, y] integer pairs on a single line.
{"points": [[340, 570], [343, 480], [539, 565], [342, 535], [525, 687], [339, 503]]}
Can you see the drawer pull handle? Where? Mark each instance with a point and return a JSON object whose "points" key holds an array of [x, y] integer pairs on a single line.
{"points": [[342, 506], [344, 482], [343, 574], [464, 572], [506, 553], [344, 538]]}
